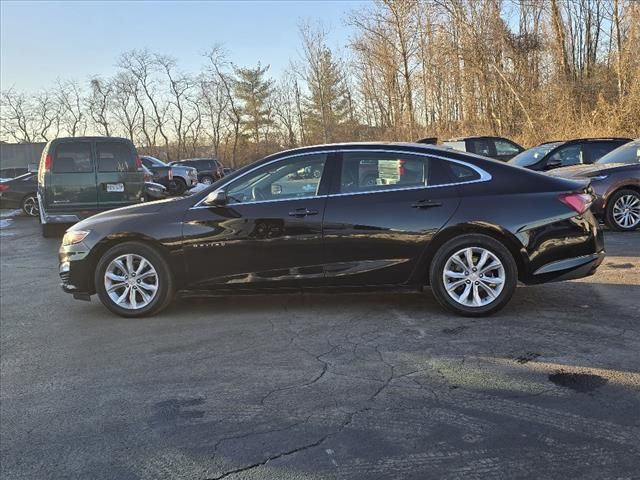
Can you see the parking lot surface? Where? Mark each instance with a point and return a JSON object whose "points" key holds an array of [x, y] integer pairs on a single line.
{"points": [[319, 386]]}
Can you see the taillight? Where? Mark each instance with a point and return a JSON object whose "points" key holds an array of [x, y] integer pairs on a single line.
{"points": [[580, 202], [170, 174], [3, 188], [138, 162], [401, 168], [47, 163]]}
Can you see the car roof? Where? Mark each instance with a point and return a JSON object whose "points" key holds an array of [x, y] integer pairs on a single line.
{"points": [[587, 140], [423, 147], [459, 139], [89, 139]]}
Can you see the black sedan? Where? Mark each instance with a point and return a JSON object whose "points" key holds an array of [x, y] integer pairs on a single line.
{"points": [[581, 151], [20, 192], [468, 226]]}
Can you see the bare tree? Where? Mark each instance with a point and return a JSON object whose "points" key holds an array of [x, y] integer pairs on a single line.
{"points": [[99, 103]]}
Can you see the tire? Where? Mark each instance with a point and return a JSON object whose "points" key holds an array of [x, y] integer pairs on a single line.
{"points": [[157, 269], [472, 282], [620, 203], [29, 205], [50, 230], [206, 179], [180, 186]]}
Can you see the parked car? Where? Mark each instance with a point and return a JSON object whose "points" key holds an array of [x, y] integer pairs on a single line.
{"points": [[154, 191], [615, 179], [84, 175], [209, 169], [20, 192], [12, 172], [493, 147], [446, 226], [176, 178], [550, 155]]}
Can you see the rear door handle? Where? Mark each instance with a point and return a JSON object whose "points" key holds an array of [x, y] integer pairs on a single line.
{"points": [[426, 204], [302, 212]]}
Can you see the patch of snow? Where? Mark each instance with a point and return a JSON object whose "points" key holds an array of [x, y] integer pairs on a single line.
{"points": [[6, 222], [198, 187], [10, 213]]}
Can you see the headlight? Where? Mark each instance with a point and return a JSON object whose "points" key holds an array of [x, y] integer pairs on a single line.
{"points": [[599, 177], [74, 236]]}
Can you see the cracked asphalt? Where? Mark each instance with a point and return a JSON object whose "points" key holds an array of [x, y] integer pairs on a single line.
{"points": [[319, 386]]}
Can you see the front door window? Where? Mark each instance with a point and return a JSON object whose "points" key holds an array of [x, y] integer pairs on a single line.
{"points": [[289, 179]]}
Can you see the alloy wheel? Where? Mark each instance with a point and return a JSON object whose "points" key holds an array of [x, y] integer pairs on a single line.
{"points": [[626, 211], [207, 180], [131, 281], [473, 277], [30, 206]]}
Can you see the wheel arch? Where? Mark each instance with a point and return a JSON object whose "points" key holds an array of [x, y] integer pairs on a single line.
{"points": [[508, 239], [112, 240]]}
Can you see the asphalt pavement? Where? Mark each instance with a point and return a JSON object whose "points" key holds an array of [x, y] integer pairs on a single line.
{"points": [[319, 386]]}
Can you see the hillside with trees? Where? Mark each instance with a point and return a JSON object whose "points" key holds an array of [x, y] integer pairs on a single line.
{"points": [[532, 70]]}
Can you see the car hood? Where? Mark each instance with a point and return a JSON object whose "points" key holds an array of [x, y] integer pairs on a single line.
{"points": [[577, 171], [126, 212]]}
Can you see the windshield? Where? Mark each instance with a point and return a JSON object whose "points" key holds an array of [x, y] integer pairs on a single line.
{"points": [[156, 162], [629, 153], [533, 155]]}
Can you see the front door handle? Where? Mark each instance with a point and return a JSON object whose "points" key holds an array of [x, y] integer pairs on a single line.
{"points": [[426, 204], [302, 212]]}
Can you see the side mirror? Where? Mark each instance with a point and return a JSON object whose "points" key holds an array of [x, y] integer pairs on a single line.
{"points": [[216, 198], [553, 163]]}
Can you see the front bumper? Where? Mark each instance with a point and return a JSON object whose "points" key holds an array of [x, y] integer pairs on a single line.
{"points": [[75, 270]]}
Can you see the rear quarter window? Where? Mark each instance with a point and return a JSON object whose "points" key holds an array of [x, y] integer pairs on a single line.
{"points": [[461, 173], [72, 158]]}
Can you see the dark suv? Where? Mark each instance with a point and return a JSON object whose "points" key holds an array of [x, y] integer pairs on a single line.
{"points": [[84, 175], [550, 155], [493, 147], [209, 169]]}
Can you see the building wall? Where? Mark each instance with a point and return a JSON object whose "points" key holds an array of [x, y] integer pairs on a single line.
{"points": [[20, 154]]}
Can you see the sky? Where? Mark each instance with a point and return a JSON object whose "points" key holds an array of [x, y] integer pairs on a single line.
{"points": [[41, 41]]}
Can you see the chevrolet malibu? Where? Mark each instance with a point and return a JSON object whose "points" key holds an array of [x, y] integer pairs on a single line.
{"points": [[468, 226]]}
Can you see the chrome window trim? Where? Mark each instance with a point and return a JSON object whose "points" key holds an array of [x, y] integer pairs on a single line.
{"points": [[484, 176]]}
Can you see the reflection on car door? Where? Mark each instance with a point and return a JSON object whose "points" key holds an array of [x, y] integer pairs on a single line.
{"points": [[270, 232], [375, 234]]}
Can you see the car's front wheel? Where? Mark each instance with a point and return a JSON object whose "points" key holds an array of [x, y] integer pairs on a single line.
{"points": [[623, 211], [133, 280], [473, 275]]}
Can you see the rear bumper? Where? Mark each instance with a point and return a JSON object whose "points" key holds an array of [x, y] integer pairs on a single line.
{"points": [[569, 268]]}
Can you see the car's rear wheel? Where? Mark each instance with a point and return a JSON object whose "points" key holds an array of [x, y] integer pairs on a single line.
{"points": [[30, 205], [207, 180], [473, 275], [133, 280], [179, 186], [623, 211]]}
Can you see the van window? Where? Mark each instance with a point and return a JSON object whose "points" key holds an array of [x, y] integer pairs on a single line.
{"points": [[72, 158], [115, 157]]}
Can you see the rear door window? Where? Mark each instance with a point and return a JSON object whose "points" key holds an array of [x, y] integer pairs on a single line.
{"points": [[482, 146], [373, 171], [115, 157], [72, 158], [594, 151]]}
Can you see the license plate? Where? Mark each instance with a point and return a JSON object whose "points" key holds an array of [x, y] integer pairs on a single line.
{"points": [[115, 187]]}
